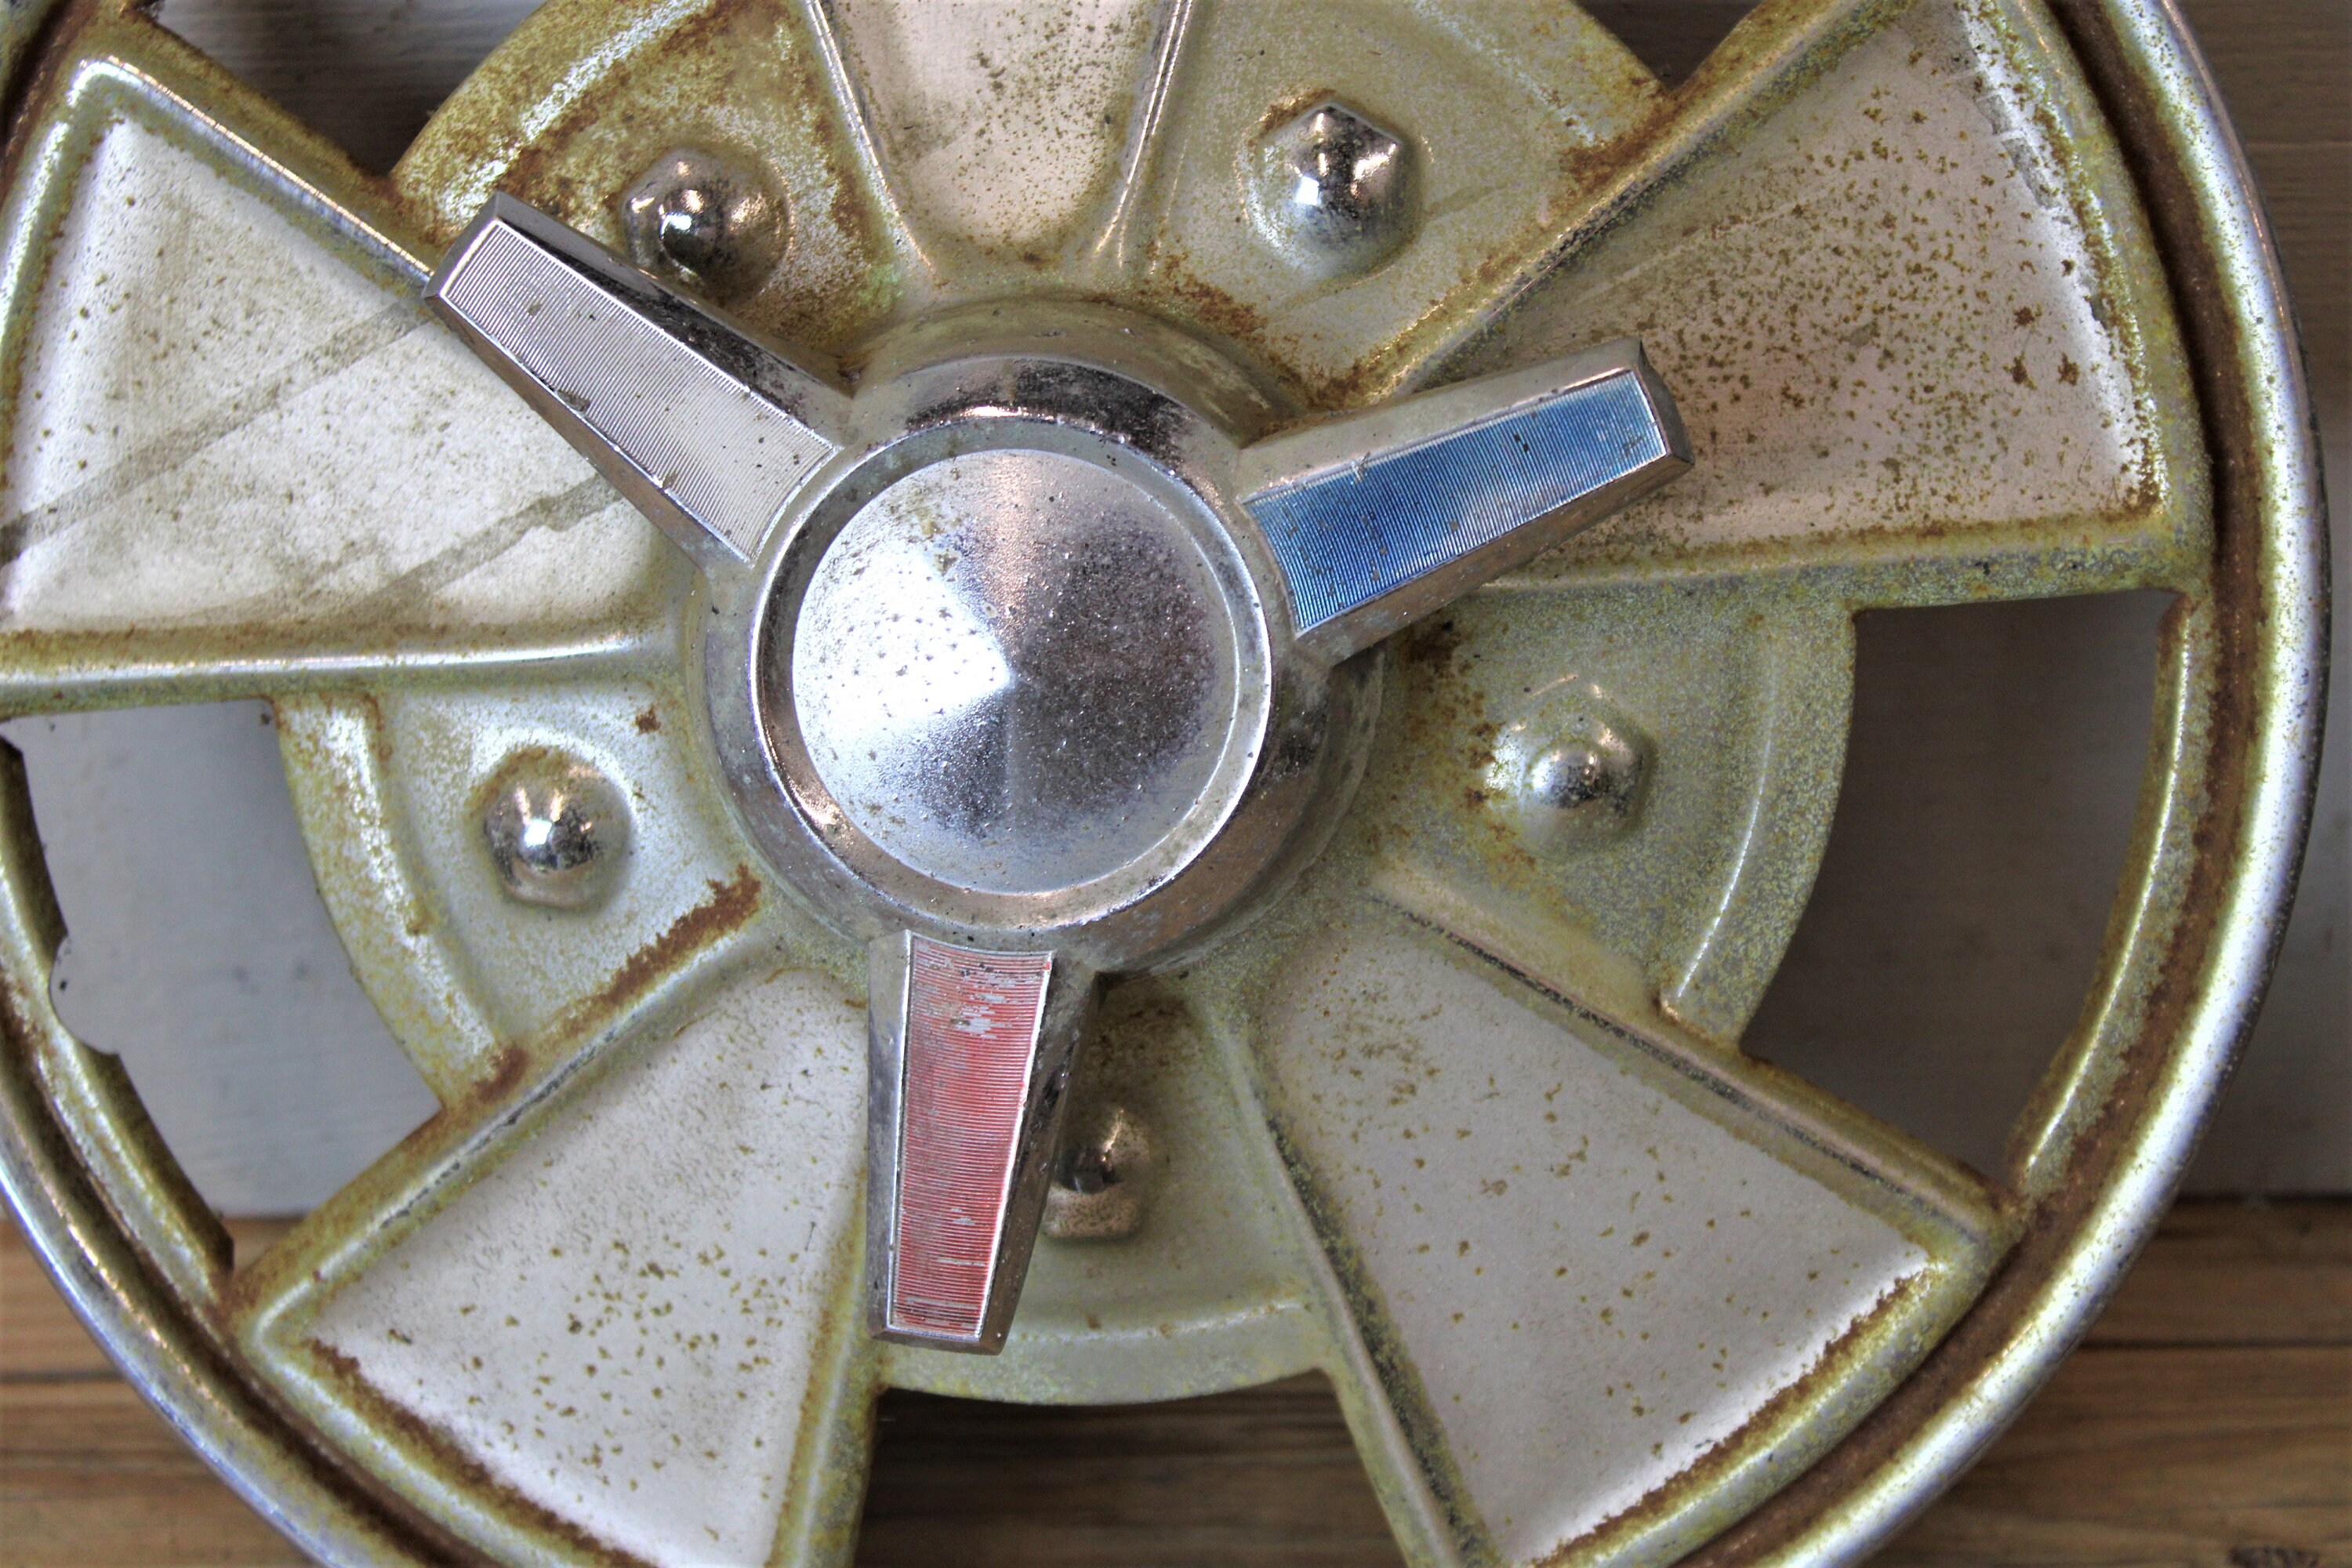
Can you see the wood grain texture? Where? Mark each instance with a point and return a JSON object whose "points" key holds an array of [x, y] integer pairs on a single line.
{"points": [[2281, 62], [2207, 1454], [2235, 1275], [91, 1478], [2206, 1423], [41, 1340]]}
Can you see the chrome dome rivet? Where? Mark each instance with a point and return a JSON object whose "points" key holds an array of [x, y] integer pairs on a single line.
{"points": [[707, 220], [1099, 1180], [1333, 192], [557, 831], [1582, 781]]}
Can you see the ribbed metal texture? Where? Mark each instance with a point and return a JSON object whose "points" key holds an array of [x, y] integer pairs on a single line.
{"points": [[725, 455], [972, 1032], [1349, 534]]}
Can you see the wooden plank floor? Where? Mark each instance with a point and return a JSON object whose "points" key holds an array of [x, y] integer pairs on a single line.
{"points": [[2206, 1423]]}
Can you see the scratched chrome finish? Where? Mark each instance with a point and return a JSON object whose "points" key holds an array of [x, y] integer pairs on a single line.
{"points": [[1574, 781], [707, 430], [1113, 162], [972, 1028], [1380, 519], [1015, 670], [1077, 750], [1015, 665], [1015, 673], [1077, 673]]}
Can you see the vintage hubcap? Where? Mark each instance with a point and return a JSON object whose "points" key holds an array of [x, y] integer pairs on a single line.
{"points": [[1242, 664]]}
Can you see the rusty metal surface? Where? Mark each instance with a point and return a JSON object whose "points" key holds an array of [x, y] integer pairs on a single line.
{"points": [[1911, 273]]}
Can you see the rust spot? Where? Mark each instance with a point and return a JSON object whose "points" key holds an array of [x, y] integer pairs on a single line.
{"points": [[741, 77], [851, 219], [1712, 1469], [731, 904], [509, 1067], [648, 722], [447, 1456], [500, 777], [1433, 644], [379, 733], [1211, 306], [533, 177], [1290, 105]]}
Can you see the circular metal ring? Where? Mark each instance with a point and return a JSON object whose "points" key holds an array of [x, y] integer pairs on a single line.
{"points": [[352, 1477]]}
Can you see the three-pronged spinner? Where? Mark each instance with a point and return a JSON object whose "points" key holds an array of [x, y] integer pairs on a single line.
{"points": [[1033, 659]]}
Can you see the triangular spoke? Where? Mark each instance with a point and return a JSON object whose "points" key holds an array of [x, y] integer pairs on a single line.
{"points": [[627, 1296], [1776, 54], [1598, 1264], [244, 459], [1005, 135], [1915, 324]]}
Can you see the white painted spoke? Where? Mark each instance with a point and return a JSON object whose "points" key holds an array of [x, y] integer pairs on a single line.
{"points": [[617, 1272], [1913, 325], [630, 1305], [1775, 53], [1001, 130], [1598, 1259], [243, 458]]}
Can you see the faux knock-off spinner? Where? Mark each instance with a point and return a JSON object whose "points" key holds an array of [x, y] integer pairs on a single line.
{"points": [[1020, 669], [1181, 766]]}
